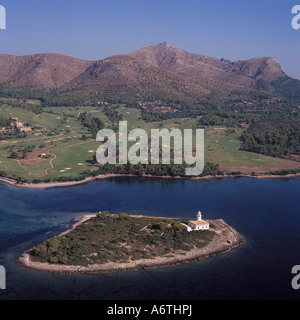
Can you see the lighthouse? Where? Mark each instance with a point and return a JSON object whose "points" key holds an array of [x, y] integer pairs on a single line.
{"points": [[199, 216], [198, 224]]}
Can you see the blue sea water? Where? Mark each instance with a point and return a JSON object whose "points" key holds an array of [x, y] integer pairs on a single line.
{"points": [[265, 212]]}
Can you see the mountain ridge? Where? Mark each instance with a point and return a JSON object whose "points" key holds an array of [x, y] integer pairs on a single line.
{"points": [[161, 69], [209, 71]]}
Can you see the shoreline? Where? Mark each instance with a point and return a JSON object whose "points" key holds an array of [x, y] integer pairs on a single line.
{"points": [[44, 185], [225, 240]]}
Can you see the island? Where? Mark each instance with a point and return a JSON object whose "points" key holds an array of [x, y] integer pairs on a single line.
{"points": [[104, 242]]}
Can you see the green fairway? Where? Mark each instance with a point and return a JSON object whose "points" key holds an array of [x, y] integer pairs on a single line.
{"points": [[58, 134], [223, 144]]}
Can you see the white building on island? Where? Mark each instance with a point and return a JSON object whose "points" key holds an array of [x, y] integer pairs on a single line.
{"points": [[199, 224]]}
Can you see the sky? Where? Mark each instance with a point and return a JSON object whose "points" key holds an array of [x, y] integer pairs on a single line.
{"points": [[96, 29]]}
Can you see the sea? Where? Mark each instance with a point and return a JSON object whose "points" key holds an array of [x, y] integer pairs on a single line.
{"points": [[265, 211]]}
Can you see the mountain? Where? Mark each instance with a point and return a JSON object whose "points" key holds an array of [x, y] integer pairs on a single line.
{"points": [[161, 70], [126, 74], [43, 71], [210, 72]]}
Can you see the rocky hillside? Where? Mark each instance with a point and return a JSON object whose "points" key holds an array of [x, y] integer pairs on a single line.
{"points": [[43, 71], [126, 74], [210, 72], [160, 70]]}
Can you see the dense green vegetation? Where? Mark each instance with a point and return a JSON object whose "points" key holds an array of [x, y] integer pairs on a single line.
{"points": [[150, 116], [113, 115], [284, 172], [4, 122], [161, 170], [228, 119], [155, 170], [120, 238], [23, 104], [52, 98], [91, 123], [278, 143], [288, 88]]}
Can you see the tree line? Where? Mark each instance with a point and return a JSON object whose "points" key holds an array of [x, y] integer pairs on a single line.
{"points": [[278, 143]]}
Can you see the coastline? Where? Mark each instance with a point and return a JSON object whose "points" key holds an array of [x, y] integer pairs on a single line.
{"points": [[44, 185], [225, 240]]}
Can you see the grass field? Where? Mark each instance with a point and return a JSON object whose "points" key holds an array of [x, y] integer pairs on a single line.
{"points": [[69, 154], [223, 144]]}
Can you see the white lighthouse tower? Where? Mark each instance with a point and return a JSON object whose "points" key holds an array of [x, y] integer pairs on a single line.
{"points": [[199, 216], [198, 224]]}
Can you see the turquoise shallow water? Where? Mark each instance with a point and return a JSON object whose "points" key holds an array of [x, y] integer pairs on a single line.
{"points": [[265, 212]]}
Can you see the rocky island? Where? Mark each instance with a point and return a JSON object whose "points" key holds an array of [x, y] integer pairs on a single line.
{"points": [[119, 242]]}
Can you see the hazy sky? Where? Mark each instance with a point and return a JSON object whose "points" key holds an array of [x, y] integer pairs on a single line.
{"points": [[95, 29]]}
